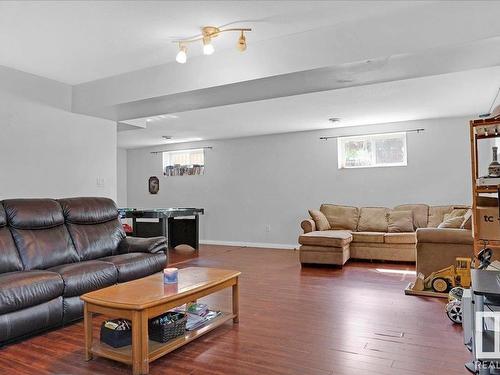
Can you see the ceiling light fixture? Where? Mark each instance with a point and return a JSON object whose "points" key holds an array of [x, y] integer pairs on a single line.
{"points": [[208, 47], [242, 42], [181, 57], [206, 36]]}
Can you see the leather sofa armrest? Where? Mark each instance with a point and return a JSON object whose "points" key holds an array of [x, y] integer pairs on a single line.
{"points": [[308, 225], [444, 235], [142, 245]]}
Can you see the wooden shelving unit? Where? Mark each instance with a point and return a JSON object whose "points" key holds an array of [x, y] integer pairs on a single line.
{"points": [[479, 130]]}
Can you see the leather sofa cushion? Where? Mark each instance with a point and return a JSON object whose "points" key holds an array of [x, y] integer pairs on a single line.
{"points": [[33, 213], [401, 238], [93, 225], [3, 216], [88, 210], [334, 238], [136, 265], [373, 219], [29, 320], [445, 235], [9, 257], [19, 290], [341, 217], [400, 221], [44, 248], [143, 245], [94, 241], [420, 213], [83, 277], [436, 215], [374, 237]]}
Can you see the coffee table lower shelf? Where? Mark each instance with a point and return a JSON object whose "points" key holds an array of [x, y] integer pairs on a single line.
{"points": [[158, 349]]}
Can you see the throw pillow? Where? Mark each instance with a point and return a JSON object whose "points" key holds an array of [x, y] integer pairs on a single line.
{"points": [[453, 222], [467, 224], [400, 221], [319, 219], [456, 212]]}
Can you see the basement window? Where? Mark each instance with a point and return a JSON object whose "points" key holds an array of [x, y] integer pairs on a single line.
{"points": [[373, 150], [184, 162]]}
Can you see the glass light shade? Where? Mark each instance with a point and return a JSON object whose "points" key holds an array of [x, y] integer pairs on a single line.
{"points": [[181, 57], [242, 43], [208, 48]]}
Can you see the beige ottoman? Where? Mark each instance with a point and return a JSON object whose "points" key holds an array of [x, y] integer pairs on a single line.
{"points": [[325, 247]]}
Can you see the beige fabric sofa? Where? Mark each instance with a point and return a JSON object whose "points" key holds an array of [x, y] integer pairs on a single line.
{"points": [[362, 233]]}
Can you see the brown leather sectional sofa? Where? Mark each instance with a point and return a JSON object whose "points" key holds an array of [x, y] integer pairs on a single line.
{"points": [[362, 233], [53, 251]]}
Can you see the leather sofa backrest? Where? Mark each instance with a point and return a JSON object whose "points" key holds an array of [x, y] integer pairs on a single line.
{"points": [[41, 238], [9, 257], [93, 225]]}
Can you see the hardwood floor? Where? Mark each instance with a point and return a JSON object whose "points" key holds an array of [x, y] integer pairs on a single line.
{"points": [[309, 321]]}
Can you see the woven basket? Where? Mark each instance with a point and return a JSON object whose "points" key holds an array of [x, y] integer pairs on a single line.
{"points": [[166, 332]]}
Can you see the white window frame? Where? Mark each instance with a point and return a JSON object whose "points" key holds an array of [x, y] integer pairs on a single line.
{"points": [[341, 141]]}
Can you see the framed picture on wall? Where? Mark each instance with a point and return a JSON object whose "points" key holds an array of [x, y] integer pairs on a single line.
{"points": [[154, 185]]}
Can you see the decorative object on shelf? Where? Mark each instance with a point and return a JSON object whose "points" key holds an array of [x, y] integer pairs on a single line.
{"points": [[154, 185], [116, 333], [206, 36], [494, 167], [167, 326]]}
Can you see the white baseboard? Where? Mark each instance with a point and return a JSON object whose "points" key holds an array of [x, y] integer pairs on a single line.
{"points": [[251, 244]]}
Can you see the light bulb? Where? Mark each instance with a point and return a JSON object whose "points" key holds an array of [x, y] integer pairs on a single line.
{"points": [[242, 42], [181, 57], [208, 47]]}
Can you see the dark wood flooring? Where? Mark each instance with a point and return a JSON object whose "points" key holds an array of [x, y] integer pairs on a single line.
{"points": [[309, 321]]}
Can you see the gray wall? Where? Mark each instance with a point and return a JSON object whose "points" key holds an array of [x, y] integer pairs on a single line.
{"points": [[45, 149], [271, 181], [121, 178]]}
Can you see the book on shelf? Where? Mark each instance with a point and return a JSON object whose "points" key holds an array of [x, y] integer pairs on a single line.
{"points": [[183, 170]]}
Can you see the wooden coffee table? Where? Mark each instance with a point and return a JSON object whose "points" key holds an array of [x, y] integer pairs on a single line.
{"points": [[142, 299]]}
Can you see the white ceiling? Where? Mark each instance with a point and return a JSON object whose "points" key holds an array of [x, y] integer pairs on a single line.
{"points": [[448, 95], [81, 41], [427, 59]]}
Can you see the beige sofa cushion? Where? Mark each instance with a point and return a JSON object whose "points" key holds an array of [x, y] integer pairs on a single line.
{"points": [[371, 237], [436, 215], [400, 221], [341, 217], [373, 219], [333, 238], [467, 224], [455, 212], [320, 220], [420, 213], [403, 238], [453, 236], [452, 222]]}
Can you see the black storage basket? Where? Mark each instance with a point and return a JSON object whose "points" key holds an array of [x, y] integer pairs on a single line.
{"points": [[116, 338], [168, 331]]}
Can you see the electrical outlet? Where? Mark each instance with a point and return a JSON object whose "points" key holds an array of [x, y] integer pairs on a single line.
{"points": [[268, 228]]}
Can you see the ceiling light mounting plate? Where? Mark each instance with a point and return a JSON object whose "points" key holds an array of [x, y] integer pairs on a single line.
{"points": [[210, 31]]}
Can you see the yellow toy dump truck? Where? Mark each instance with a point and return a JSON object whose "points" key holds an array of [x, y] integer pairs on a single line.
{"points": [[443, 280]]}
